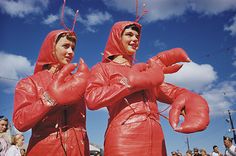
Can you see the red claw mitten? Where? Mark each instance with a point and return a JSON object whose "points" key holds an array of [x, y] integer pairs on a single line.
{"points": [[196, 113], [168, 59], [144, 76], [69, 88]]}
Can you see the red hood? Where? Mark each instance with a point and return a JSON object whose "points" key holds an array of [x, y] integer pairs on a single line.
{"points": [[114, 45], [47, 51]]}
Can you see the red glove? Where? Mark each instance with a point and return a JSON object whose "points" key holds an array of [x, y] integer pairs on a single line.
{"points": [[196, 113], [69, 88], [168, 58], [144, 76]]}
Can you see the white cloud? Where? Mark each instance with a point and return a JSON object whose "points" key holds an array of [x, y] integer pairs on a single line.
{"points": [[50, 19], [89, 21], [21, 8], [15, 67], [165, 9], [160, 45], [95, 18], [221, 97], [69, 15], [193, 76], [232, 27], [202, 78], [234, 63], [212, 6]]}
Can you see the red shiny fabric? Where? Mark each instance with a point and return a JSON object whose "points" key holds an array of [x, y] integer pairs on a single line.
{"points": [[56, 130], [134, 126]]}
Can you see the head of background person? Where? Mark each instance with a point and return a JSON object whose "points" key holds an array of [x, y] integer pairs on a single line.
{"points": [[188, 153], [56, 51], [227, 141], [22, 152], [203, 152], [123, 40], [195, 151], [3, 124], [18, 140], [174, 153], [215, 149]]}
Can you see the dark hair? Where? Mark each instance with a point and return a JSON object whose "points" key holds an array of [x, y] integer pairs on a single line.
{"points": [[227, 138], [214, 146], [189, 151], [3, 118], [195, 149], [133, 27], [69, 36]]}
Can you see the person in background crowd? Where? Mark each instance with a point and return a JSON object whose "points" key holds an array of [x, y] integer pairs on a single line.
{"points": [[22, 152], [230, 149], [216, 151], [5, 137], [17, 142], [173, 153], [203, 152], [196, 152], [189, 153]]}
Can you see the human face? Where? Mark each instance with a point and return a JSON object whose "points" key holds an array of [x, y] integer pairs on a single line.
{"points": [[3, 126], [227, 143], [130, 41], [216, 149], [20, 140], [64, 50]]}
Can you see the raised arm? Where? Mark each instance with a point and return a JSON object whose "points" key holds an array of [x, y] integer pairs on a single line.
{"points": [[33, 101], [29, 106], [104, 90]]}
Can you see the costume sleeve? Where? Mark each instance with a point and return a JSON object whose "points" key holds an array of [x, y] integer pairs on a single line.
{"points": [[167, 93], [104, 90], [29, 106]]}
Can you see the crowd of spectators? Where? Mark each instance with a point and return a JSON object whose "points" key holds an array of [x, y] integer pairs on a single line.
{"points": [[10, 144], [230, 150]]}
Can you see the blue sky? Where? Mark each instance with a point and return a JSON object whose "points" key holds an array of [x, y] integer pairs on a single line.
{"points": [[205, 29]]}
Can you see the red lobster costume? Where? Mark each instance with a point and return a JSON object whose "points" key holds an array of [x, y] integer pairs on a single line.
{"points": [[130, 95], [58, 129]]}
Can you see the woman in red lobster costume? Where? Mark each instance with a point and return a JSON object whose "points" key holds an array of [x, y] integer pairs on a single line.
{"points": [[129, 92], [51, 103]]}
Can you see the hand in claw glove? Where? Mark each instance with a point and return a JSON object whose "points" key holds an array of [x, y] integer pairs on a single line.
{"points": [[168, 59], [145, 76], [69, 88], [195, 111]]}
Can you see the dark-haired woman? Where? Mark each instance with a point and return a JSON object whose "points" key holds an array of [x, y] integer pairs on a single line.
{"points": [[50, 102], [129, 92]]}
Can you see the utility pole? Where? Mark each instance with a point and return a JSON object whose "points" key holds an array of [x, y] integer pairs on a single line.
{"points": [[188, 143], [232, 126]]}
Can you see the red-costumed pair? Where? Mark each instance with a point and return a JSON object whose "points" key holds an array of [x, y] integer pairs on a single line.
{"points": [[51, 103]]}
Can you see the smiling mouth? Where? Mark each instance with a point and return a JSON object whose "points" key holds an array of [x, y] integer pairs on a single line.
{"points": [[134, 47], [68, 59]]}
